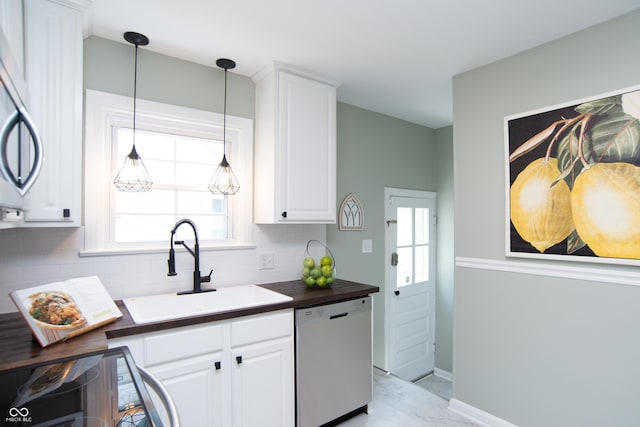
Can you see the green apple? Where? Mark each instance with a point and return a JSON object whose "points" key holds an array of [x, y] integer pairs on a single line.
{"points": [[308, 262], [306, 271], [321, 281], [316, 272], [326, 260], [330, 280], [310, 281], [327, 270]]}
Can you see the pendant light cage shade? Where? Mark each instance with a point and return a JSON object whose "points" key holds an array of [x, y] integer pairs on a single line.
{"points": [[224, 181], [133, 175]]}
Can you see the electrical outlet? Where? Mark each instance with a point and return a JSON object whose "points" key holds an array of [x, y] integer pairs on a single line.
{"points": [[266, 261]]}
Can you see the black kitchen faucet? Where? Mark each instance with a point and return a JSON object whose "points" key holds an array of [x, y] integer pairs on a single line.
{"points": [[197, 278]]}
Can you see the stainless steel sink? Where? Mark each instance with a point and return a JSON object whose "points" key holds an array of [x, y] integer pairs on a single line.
{"points": [[157, 308]]}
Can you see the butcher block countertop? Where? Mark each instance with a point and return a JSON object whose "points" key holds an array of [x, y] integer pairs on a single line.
{"points": [[18, 347]]}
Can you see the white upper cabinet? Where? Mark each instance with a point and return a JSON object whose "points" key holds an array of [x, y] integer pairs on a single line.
{"points": [[11, 23], [53, 70], [295, 147]]}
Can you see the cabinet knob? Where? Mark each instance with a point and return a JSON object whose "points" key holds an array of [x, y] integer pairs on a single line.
{"points": [[284, 214], [217, 365], [238, 359], [397, 293]]}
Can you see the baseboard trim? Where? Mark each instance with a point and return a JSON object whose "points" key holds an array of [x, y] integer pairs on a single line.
{"points": [[443, 374], [476, 415]]}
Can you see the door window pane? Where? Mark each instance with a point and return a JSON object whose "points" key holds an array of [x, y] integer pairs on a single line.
{"points": [[404, 226], [422, 226], [422, 263], [405, 267]]}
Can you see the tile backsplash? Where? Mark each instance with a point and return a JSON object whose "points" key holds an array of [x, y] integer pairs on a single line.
{"points": [[30, 257]]}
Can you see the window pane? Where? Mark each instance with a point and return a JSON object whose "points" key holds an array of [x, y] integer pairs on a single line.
{"points": [[152, 202], [156, 146], [143, 228], [207, 150], [181, 168], [197, 202], [422, 226], [194, 174], [405, 267], [422, 263], [405, 227]]}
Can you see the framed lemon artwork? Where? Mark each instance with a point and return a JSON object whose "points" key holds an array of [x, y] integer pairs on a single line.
{"points": [[573, 180]]}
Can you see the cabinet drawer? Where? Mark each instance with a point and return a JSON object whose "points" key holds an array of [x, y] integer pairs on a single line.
{"points": [[261, 327], [182, 343]]}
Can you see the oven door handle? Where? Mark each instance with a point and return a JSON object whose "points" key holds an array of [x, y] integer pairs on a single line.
{"points": [[23, 186], [163, 394]]}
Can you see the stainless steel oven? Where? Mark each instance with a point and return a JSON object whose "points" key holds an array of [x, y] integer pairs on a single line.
{"points": [[21, 151]]}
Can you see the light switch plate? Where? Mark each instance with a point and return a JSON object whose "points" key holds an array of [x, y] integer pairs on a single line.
{"points": [[367, 246], [266, 261]]}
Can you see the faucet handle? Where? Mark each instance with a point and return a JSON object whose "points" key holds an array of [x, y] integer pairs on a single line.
{"points": [[172, 263], [207, 278]]}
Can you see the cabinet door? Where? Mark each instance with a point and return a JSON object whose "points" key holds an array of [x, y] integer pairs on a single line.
{"points": [[307, 150], [197, 388], [11, 23], [262, 384], [53, 44]]}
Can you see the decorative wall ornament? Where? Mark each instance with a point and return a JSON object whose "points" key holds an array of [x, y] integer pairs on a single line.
{"points": [[573, 179], [351, 214]]}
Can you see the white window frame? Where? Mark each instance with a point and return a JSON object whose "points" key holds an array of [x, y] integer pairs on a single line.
{"points": [[103, 112]]}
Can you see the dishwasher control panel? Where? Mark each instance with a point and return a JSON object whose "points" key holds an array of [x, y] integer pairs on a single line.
{"points": [[333, 311]]}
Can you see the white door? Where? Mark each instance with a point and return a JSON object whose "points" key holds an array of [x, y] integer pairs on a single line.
{"points": [[410, 252]]}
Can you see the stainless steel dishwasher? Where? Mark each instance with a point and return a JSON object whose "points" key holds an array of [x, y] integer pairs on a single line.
{"points": [[334, 365]]}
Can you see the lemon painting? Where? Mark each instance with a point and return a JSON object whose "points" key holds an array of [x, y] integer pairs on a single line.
{"points": [[574, 180]]}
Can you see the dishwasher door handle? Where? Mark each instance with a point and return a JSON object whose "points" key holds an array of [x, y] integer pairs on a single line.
{"points": [[336, 316]]}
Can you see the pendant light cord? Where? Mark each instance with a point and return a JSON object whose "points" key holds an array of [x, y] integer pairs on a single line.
{"points": [[135, 96], [224, 117]]}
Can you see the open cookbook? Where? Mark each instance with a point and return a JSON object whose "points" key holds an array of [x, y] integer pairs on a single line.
{"points": [[62, 310]]}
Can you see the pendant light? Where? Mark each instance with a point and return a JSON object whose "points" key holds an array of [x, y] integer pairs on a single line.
{"points": [[133, 176], [224, 181]]}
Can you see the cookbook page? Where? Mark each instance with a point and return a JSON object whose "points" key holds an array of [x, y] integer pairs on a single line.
{"points": [[60, 309]]}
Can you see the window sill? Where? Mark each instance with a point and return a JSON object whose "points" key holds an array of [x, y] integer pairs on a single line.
{"points": [[162, 249]]}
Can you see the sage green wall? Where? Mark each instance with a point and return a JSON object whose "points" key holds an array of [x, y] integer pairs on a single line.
{"points": [[445, 256], [109, 67], [377, 151], [531, 349]]}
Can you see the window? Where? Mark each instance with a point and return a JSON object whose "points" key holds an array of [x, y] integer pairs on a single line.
{"points": [[181, 148]]}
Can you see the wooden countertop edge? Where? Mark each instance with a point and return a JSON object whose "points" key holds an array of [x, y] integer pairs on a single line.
{"points": [[18, 348]]}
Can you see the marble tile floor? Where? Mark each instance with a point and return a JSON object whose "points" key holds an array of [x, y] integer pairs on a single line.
{"points": [[436, 385], [398, 403]]}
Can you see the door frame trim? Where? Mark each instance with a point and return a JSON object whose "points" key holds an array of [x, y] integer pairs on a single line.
{"points": [[390, 192]]}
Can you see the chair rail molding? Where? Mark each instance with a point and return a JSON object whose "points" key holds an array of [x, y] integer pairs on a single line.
{"points": [[609, 275]]}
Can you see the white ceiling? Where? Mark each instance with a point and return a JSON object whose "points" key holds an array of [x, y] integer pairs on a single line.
{"points": [[396, 57]]}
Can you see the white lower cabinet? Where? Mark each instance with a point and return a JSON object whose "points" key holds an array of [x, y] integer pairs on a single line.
{"points": [[236, 372]]}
